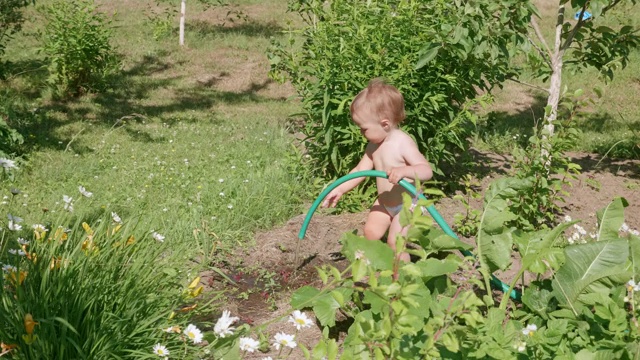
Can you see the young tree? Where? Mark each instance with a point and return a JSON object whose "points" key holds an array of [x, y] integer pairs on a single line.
{"points": [[584, 42]]}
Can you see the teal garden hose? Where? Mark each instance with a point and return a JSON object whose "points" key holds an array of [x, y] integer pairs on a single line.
{"points": [[409, 187]]}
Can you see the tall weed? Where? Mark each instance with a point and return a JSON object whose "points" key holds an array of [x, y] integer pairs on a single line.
{"points": [[77, 45]]}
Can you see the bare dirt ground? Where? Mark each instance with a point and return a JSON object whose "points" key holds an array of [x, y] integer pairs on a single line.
{"points": [[275, 249]]}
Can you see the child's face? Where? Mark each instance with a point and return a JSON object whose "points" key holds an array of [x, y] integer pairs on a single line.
{"points": [[373, 130]]}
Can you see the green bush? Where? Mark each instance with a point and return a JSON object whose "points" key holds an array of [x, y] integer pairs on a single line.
{"points": [[76, 43], [9, 137], [437, 53]]}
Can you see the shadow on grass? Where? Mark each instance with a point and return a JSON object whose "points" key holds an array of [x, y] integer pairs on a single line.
{"points": [[130, 96], [247, 28]]}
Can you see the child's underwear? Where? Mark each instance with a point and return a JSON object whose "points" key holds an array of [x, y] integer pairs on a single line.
{"points": [[393, 210]]}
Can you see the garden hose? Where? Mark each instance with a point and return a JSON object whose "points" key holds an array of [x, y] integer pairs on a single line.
{"points": [[409, 187]]}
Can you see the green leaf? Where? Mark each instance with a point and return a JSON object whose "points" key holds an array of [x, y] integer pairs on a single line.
{"points": [[634, 254], [494, 239], [303, 297], [538, 300], [325, 309], [610, 219], [378, 253], [584, 265], [431, 267], [429, 53]]}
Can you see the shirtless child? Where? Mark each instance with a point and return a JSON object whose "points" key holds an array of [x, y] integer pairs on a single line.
{"points": [[378, 110]]}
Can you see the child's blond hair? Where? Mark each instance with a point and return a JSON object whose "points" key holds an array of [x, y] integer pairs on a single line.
{"points": [[381, 99]]}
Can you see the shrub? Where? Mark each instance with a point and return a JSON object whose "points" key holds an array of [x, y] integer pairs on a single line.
{"points": [[437, 53], [76, 43], [9, 137]]}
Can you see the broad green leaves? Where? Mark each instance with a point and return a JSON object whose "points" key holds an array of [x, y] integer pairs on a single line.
{"points": [[494, 238], [589, 267]]}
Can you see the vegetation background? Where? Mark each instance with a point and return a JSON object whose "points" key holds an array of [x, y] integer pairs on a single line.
{"points": [[197, 143]]}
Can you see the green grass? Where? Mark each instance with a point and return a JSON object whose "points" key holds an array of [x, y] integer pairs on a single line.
{"points": [[159, 143]]}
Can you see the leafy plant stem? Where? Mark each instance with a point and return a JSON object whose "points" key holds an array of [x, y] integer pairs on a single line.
{"points": [[444, 327], [512, 285]]}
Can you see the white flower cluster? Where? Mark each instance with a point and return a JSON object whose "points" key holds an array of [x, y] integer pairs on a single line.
{"points": [[626, 229]]}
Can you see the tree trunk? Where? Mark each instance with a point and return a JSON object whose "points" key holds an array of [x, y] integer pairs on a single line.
{"points": [[554, 87], [183, 9]]}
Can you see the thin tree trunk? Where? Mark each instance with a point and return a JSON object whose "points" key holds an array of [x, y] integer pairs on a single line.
{"points": [[554, 87], [183, 9]]}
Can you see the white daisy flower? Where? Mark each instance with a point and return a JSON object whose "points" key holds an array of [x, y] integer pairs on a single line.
{"points": [[39, 228], [567, 218], [284, 340], [67, 203], [116, 218], [84, 191], [223, 325], [157, 236], [530, 329], [15, 219], [300, 320], [8, 164], [193, 333], [221, 180], [9, 268], [221, 194], [22, 241], [229, 206], [249, 344], [160, 350], [13, 226], [521, 346], [16, 252]]}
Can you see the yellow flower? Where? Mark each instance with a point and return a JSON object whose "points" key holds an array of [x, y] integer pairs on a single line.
{"points": [[29, 324]]}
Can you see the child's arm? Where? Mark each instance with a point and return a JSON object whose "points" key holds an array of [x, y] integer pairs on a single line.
{"points": [[366, 163], [417, 166]]}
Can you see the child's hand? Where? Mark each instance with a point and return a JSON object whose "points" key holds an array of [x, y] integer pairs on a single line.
{"points": [[332, 199], [396, 174]]}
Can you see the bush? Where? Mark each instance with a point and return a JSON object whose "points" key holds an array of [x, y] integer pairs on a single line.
{"points": [[76, 43], [9, 137], [437, 53]]}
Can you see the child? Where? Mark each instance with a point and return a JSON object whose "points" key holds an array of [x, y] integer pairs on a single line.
{"points": [[378, 110]]}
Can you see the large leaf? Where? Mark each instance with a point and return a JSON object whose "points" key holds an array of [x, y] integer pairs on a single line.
{"points": [[537, 247], [610, 219], [378, 253], [494, 238], [325, 309], [584, 265], [634, 252]]}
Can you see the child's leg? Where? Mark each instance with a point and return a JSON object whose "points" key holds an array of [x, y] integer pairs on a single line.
{"points": [[396, 229], [377, 223]]}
